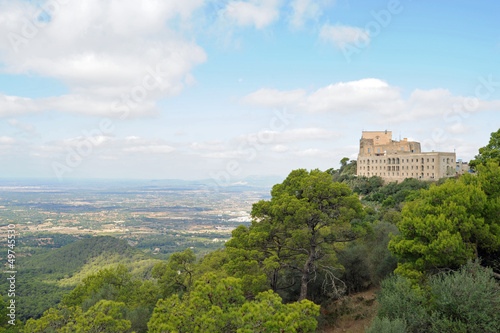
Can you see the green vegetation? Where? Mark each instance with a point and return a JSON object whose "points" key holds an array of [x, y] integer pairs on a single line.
{"points": [[128, 303], [438, 287], [34, 241], [367, 261], [467, 300], [177, 274], [208, 295], [320, 236], [297, 230], [220, 306], [448, 224], [489, 153], [105, 316], [70, 258], [47, 277]]}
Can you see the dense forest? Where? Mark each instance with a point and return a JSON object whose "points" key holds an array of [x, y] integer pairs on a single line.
{"points": [[48, 276], [433, 248]]}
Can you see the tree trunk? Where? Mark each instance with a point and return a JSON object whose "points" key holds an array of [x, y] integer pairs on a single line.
{"points": [[305, 277], [274, 281], [303, 285]]}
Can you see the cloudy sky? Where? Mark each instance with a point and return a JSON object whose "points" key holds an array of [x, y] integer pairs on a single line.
{"points": [[200, 89]]}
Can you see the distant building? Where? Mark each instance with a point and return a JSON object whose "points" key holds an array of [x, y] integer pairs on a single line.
{"points": [[462, 167], [393, 160]]}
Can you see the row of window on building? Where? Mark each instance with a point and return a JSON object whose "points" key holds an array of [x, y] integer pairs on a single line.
{"points": [[378, 150], [397, 174], [396, 160], [395, 168]]}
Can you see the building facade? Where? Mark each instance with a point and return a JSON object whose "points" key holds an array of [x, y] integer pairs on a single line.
{"points": [[393, 160]]}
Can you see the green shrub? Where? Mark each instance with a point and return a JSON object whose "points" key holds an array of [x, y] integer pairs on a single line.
{"points": [[467, 300], [369, 261], [356, 273], [384, 325], [218, 305], [381, 261], [398, 300]]}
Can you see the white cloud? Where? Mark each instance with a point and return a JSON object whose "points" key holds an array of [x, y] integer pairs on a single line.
{"points": [[7, 140], [77, 103], [14, 105], [49, 148], [83, 143], [279, 149], [229, 154], [215, 145], [344, 97], [101, 50], [306, 134], [259, 13], [304, 10], [316, 153], [362, 95], [150, 149], [340, 35], [266, 137], [442, 103], [26, 129], [275, 98], [103, 147], [375, 99], [22, 126], [457, 129]]}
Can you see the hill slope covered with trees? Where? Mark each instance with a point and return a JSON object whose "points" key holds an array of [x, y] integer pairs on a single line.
{"points": [[47, 277]]}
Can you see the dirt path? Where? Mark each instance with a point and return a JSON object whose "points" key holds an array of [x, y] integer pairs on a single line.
{"points": [[354, 312]]}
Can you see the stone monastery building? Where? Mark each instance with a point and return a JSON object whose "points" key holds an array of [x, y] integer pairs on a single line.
{"points": [[392, 160]]}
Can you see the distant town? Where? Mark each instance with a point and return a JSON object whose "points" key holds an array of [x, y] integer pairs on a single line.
{"points": [[158, 219]]}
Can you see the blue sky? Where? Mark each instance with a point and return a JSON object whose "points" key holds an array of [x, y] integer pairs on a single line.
{"points": [[227, 89]]}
